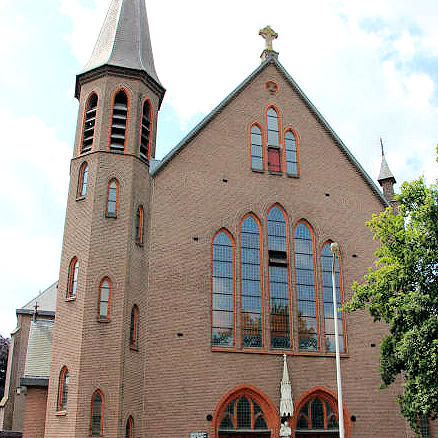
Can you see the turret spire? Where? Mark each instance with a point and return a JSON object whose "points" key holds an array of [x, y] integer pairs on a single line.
{"points": [[386, 178], [124, 39]]}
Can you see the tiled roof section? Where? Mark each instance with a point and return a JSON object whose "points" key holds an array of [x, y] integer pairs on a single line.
{"points": [[46, 300], [385, 173], [39, 349], [271, 60], [124, 39]]}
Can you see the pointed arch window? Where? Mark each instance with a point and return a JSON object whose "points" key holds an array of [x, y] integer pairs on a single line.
{"points": [[112, 198], [139, 223], [83, 180], [133, 327], [223, 290], [251, 276], [326, 264], [146, 124], [317, 414], [89, 123], [273, 140], [278, 279], [64, 380], [291, 153], [256, 148], [129, 428], [72, 281], [306, 288], [103, 311], [243, 414], [119, 122], [97, 412]]}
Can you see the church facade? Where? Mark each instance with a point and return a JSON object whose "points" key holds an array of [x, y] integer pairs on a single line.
{"points": [[189, 284]]}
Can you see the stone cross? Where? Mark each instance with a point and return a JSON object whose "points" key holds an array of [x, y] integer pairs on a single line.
{"points": [[269, 35]]}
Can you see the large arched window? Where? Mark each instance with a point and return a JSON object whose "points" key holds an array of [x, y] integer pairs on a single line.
{"points": [[223, 290], [306, 288], [119, 122], [133, 328], [145, 136], [256, 148], [251, 278], [112, 198], [82, 180], [89, 123], [317, 414], [139, 222], [103, 311], [326, 264], [97, 412], [291, 153], [278, 279], [72, 281], [129, 428], [64, 380]]}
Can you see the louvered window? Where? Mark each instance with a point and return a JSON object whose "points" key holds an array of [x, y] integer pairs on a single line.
{"points": [[89, 123], [118, 123], [145, 131]]}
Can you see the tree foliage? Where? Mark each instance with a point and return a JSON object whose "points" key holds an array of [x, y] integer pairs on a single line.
{"points": [[4, 348], [402, 290]]}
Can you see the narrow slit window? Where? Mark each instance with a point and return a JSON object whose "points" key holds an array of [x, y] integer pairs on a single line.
{"points": [[145, 130], [104, 299], [133, 328], [64, 380], [273, 127], [256, 148], [291, 153], [251, 284], [89, 123], [278, 280], [223, 291], [139, 222], [96, 421], [119, 122], [113, 197], [72, 282], [83, 180], [306, 288], [129, 428], [326, 262]]}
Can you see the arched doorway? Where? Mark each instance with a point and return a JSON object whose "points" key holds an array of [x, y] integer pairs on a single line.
{"points": [[316, 415], [245, 412]]}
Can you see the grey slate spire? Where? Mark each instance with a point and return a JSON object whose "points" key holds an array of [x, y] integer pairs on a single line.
{"points": [[124, 39], [386, 179]]}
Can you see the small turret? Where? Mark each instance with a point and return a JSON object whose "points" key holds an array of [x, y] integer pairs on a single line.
{"points": [[386, 178]]}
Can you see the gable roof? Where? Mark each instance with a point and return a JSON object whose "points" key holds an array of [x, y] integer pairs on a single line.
{"points": [[270, 60], [46, 300]]}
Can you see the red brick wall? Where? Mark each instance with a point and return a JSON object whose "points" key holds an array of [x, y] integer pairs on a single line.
{"points": [[35, 413]]}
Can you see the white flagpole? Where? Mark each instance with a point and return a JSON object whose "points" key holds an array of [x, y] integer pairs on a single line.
{"points": [[334, 248]]}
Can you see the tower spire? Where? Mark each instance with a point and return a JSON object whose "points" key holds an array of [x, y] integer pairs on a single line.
{"points": [[386, 178], [124, 40]]}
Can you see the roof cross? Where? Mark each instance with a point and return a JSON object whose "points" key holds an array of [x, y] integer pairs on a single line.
{"points": [[35, 313], [381, 145], [269, 35]]}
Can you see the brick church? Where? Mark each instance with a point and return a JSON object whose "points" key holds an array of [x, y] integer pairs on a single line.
{"points": [[191, 286]]}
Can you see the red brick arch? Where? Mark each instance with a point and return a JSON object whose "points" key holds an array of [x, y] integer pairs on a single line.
{"points": [[270, 411]]}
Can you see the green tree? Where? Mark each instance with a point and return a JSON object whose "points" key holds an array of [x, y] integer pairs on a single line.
{"points": [[4, 348], [402, 290]]}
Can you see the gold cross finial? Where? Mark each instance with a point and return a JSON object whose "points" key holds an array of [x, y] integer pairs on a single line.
{"points": [[269, 35]]}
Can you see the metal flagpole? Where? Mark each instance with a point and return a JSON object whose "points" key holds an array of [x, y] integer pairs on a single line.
{"points": [[334, 248]]}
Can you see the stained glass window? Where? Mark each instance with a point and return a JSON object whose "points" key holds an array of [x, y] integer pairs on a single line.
{"points": [[306, 288], [273, 129], [317, 414], [326, 263], [243, 413], [223, 287], [256, 148], [278, 279], [96, 426], [251, 284], [291, 153]]}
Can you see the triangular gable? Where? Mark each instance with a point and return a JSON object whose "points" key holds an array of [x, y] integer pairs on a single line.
{"points": [[271, 60]]}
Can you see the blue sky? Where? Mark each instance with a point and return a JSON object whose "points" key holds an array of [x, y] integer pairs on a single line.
{"points": [[371, 68]]}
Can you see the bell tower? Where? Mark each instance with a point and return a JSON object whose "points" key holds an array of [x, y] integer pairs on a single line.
{"points": [[96, 376]]}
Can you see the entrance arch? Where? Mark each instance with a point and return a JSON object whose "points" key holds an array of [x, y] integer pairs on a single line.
{"points": [[316, 415], [245, 412]]}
